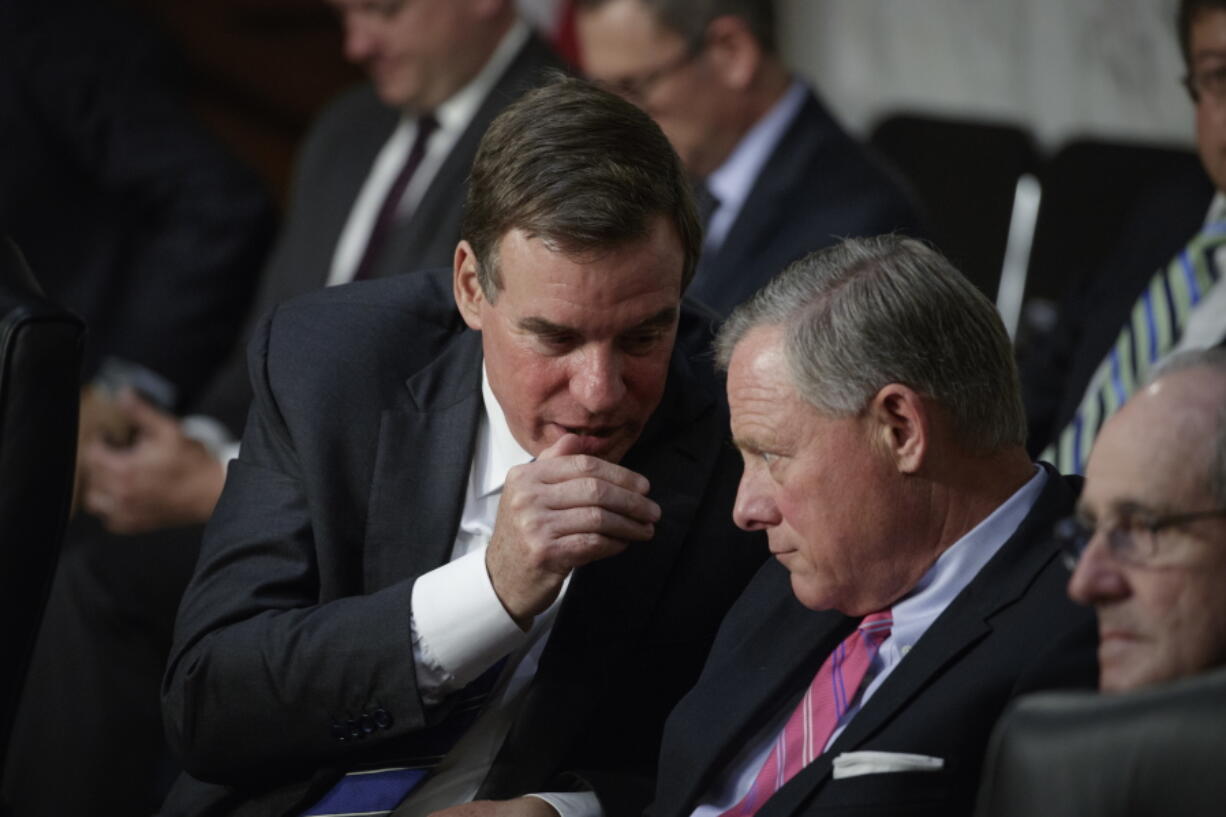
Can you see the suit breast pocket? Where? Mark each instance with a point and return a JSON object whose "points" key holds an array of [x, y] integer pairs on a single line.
{"points": [[894, 793]]}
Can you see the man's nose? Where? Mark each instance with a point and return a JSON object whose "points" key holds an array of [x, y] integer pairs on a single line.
{"points": [[755, 507], [1098, 577], [359, 38], [598, 384]]}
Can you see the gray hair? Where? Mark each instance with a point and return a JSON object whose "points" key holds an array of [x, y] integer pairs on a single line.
{"points": [[1213, 359], [869, 312]]}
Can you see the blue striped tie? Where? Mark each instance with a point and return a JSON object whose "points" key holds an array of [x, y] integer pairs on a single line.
{"points": [[1153, 329]]}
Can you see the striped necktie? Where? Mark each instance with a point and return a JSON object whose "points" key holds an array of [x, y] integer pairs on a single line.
{"points": [[817, 715], [379, 791], [1153, 329]]}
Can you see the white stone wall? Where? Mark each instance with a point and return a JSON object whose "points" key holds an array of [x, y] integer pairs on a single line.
{"points": [[1108, 68]]}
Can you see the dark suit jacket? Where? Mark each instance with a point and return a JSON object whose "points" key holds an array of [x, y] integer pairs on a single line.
{"points": [[332, 166], [127, 211], [818, 186], [350, 485], [1056, 368], [1011, 630]]}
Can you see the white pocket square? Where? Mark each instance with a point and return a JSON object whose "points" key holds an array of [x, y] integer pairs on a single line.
{"points": [[854, 764]]}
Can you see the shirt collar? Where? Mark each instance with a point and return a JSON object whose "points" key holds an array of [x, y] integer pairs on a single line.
{"points": [[457, 110], [730, 182], [496, 451], [962, 561], [1217, 209]]}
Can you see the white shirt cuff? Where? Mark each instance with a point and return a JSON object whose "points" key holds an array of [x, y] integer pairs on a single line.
{"points": [[210, 433], [459, 620], [572, 803]]}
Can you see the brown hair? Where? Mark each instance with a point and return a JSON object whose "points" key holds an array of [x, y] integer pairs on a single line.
{"points": [[1188, 10], [580, 169]]}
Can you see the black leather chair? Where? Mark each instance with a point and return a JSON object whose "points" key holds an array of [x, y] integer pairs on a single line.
{"points": [[965, 173], [1092, 192], [40, 370], [1151, 753]]}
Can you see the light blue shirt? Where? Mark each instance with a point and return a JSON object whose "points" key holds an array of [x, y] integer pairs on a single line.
{"points": [[731, 182], [913, 615]]}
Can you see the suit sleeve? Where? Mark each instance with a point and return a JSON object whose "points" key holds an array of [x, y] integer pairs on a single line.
{"points": [[264, 677], [190, 224]]}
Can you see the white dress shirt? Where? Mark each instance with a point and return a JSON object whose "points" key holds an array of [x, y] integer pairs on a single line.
{"points": [[453, 116], [913, 615], [460, 628], [731, 182]]}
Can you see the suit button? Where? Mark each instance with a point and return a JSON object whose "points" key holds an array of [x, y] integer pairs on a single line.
{"points": [[368, 723], [340, 732], [355, 731], [383, 718]]}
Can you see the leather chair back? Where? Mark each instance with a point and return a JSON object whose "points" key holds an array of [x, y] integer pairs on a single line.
{"points": [[40, 371], [1151, 753]]}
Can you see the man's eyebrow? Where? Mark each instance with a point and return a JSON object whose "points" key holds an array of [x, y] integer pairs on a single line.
{"points": [[1117, 508], [542, 326]]}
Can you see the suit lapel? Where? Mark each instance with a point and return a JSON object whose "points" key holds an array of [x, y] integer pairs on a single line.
{"points": [[757, 675], [421, 467], [609, 602], [786, 167], [963, 623], [342, 173], [674, 446]]}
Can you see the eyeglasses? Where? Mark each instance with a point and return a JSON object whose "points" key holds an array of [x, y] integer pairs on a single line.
{"points": [[1133, 539], [1208, 84], [637, 89]]}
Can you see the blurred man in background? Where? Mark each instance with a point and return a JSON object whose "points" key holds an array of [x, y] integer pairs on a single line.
{"points": [[377, 191], [1151, 528], [776, 175]]}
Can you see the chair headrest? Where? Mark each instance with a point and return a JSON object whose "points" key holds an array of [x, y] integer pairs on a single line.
{"points": [[16, 279]]}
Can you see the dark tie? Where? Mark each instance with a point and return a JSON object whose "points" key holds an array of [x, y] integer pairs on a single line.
{"points": [[386, 218], [705, 203], [817, 715], [1152, 330], [378, 791]]}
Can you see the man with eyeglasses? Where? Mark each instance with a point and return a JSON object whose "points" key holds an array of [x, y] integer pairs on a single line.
{"points": [[1122, 327], [1150, 530], [778, 177]]}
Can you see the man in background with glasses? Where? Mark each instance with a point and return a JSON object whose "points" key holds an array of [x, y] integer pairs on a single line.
{"points": [[1119, 327], [1150, 531], [777, 176]]}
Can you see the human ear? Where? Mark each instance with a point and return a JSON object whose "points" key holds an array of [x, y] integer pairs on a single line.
{"points": [[902, 425], [734, 51], [466, 285]]}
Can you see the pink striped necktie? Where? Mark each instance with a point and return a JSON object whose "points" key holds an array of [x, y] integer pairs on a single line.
{"points": [[824, 703]]}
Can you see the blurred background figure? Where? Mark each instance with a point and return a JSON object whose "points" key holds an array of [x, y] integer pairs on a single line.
{"points": [[131, 215], [377, 190], [776, 175], [1150, 541], [128, 211], [1112, 344], [1150, 530]]}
